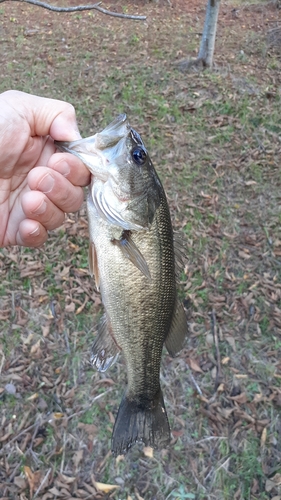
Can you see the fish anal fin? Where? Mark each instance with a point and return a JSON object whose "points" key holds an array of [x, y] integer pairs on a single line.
{"points": [[147, 423], [105, 350], [178, 330], [93, 264], [130, 250]]}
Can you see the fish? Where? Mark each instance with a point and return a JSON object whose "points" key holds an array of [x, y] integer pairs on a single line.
{"points": [[132, 257]]}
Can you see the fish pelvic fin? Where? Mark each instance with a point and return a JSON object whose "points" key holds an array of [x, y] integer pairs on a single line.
{"points": [[140, 422], [178, 331], [105, 350]]}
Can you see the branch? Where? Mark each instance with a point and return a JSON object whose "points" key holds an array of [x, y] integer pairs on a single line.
{"points": [[219, 375], [95, 6]]}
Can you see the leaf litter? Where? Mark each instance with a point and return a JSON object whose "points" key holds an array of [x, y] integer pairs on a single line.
{"points": [[218, 152]]}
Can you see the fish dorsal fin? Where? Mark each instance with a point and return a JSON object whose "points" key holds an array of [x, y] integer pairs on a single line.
{"points": [[93, 264], [178, 330], [130, 250], [105, 349]]}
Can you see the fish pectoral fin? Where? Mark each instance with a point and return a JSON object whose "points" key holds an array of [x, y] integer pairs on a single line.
{"points": [[105, 350], [93, 264], [178, 330], [130, 250], [145, 423]]}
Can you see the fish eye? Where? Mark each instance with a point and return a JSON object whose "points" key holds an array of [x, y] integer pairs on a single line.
{"points": [[139, 156]]}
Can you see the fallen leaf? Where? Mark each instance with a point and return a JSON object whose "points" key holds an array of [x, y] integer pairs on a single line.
{"points": [[106, 488], [33, 397], [244, 255], [194, 365], [249, 183], [33, 478], [263, 436], [148, 451], [35, 348], [276, 478], [58, 415], [77, 457], [70, 307], [225, 360], [241, 398], [90, 429], [20, 482]]}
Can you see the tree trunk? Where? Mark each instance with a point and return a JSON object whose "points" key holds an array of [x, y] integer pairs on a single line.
{"points": [[207, 45]]}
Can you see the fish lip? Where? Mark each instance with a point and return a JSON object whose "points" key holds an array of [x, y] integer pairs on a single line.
{"points": [[91, 150]]}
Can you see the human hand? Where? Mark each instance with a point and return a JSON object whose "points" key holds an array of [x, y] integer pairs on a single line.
{"points": [[37, 185]]}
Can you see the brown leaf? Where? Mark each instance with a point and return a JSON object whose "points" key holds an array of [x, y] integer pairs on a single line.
{"points": [[263, 436], [35, 348], [70, 307], [276, 479], [241, 398], [244, 255], [33, 478], [90, 429], [20, 482], [106, 488], [77, 457], [194, 365], [148, 451]]}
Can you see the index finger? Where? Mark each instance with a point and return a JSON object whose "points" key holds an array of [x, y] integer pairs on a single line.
{"points": [[71, 167]]}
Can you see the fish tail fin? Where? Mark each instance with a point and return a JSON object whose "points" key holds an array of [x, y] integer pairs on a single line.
{"points": [[140, 422]]}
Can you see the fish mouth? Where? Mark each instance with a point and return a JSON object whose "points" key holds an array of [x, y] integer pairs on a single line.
{"points": [[91, 150]]}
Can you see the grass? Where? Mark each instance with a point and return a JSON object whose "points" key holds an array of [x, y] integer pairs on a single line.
{"points": [[214, 138]]}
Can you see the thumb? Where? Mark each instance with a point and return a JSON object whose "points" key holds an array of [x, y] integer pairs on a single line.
{"points": [[45, 116]]}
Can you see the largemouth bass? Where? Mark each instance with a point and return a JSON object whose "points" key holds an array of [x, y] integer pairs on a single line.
{"points": [[133, 260]]}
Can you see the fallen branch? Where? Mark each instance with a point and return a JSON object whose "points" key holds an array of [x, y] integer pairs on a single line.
{"points": [[95, 6], [219, 375]]}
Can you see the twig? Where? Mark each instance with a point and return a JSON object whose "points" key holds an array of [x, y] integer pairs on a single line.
{"points": [[63, 453], [89, 405], [42, 482], [194, 381], [95, 6], [21, 434], [210, 438], [219, 375]]}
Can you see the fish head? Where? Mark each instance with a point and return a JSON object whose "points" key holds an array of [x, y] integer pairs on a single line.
{"points": [[125, 188]]}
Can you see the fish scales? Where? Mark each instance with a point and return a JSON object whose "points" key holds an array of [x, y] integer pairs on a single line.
{"points": [[145, 306], [132, 257]]}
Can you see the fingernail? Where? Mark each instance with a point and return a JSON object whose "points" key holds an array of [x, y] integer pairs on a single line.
{"points": [[35, 231], [46, 184], [41, 209], [63, 168]]}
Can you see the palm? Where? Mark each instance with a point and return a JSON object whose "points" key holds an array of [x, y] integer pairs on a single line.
{"points": [[37, 186]]}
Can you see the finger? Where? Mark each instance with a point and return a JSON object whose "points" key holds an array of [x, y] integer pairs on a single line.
{"points": [[31, 234], [70, 167], [38, 207], [59, 190], [45, 116]]}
